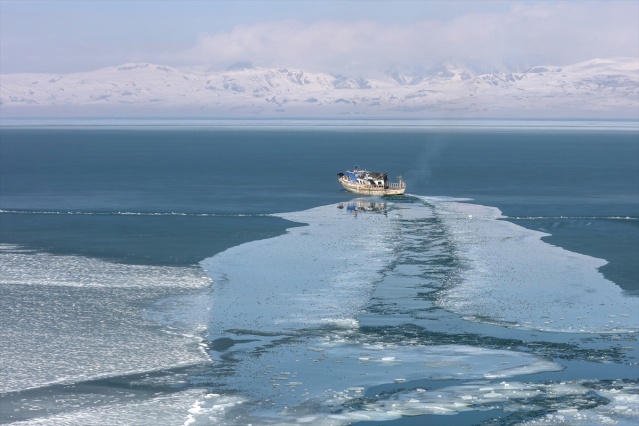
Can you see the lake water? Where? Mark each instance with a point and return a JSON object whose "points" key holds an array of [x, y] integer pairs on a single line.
{"points": [[196, 272]]}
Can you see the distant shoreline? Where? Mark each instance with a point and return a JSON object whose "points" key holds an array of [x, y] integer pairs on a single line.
{"points": [[510, 124]]}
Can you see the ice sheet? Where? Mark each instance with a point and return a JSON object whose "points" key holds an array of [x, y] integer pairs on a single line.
{"points": [[320, 274], [23, 267], [171, 409], [70, 318], [512, 277]]}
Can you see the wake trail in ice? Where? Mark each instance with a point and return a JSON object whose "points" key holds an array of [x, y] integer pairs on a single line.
{"points": [[316, 275], [272, 300]]}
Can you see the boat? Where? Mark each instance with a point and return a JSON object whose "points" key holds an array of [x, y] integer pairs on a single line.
{"points": [[365, 182]]}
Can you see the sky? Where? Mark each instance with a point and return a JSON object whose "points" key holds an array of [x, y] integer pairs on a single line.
{"points": [[62, 36]]}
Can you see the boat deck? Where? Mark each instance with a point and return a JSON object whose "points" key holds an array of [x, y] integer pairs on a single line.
{"points": [[391, 188]]}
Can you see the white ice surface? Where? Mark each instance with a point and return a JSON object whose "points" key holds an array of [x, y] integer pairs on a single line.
{"points": [[20, 267], [173, 409], [67, 319]]}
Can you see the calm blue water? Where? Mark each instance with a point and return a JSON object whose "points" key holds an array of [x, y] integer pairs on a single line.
{"points": [[147, 274]]}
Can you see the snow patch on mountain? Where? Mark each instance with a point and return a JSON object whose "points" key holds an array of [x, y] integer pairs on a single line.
{"points": [[599, 87]]}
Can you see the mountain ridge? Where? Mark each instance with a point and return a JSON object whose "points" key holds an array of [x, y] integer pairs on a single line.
{"points": [[598, 87]]}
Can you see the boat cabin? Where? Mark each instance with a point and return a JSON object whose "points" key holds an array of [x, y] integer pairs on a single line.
{"points": [[364, 177]]}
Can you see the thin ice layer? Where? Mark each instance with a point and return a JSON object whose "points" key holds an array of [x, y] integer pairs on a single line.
{"points": [[511, 276], [320, 274]]}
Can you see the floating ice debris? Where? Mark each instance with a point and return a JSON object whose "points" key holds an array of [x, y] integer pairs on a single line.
{"points": [[622, 410]]}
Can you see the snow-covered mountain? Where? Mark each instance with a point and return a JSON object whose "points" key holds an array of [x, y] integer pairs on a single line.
{"points": [[595, 88]]}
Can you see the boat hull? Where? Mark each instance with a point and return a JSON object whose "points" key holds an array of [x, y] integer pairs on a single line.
{"points": [[396, 189]]}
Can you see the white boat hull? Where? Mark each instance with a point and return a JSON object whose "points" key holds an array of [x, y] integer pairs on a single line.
{"points": [[357, 188]]}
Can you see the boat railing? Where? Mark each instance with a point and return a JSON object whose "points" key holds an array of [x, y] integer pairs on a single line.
{"points": [[389, 185], [396, 185]]}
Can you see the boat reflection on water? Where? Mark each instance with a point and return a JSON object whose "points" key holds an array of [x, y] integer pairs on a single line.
{"points": [[363, 206]]}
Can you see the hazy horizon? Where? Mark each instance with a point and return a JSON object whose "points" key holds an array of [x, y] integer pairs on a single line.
{"points": [[339, 37], [423, 59]]}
